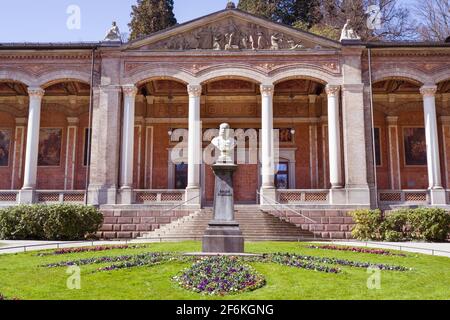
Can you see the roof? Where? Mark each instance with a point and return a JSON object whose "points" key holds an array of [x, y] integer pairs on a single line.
{"points": [[55, 45]]}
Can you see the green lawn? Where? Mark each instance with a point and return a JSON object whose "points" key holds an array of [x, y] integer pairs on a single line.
{"points": [[22, 276]]}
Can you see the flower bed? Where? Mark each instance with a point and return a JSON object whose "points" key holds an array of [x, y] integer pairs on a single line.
{"points": [[92, 249], [126, 261], [358, 250], [148, 259], [300, 262], [220, 276]]}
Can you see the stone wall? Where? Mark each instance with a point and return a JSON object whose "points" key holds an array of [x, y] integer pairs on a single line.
{"points": [[130, 224], [330, 224]]}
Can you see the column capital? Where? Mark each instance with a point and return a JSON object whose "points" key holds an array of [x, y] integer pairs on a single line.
{"points": [[267, 90], [194, 90], [392, 120], [445, 120], [129, 90], [332, 90], [73, 121], [21, 121], [428, 90], [36, 92]]}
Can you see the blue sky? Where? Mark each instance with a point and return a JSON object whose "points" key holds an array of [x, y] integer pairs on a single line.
{"points": [[46, 20]]}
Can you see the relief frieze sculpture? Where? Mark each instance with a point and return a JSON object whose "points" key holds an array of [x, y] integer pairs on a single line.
{"points": [[231, 35]]}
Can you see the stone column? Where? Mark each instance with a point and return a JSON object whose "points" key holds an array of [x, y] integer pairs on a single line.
{"points": [[31, 154], [127, 155], [105, 145], [355, 156], [71, 149], [431, 135], [268, 191], [334, 137], [194, 146]]}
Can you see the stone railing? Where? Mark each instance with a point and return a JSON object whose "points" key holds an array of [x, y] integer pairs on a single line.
{"points": [[57, 196], [44, 196], [9, 196], [418, 197], [303, 196], [159, 196]]}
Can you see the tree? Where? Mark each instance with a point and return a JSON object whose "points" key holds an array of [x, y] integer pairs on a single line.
{"points": [[287, 12], [149, 16], [303, 12], [395, 20], [265, 8], [327, 17], [435, 19]]}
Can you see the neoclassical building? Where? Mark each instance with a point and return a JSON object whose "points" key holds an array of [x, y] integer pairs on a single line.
{"points": [[357, 124]]}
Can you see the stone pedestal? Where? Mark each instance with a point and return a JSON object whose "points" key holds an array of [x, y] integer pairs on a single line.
{"points": [[223, 234]]}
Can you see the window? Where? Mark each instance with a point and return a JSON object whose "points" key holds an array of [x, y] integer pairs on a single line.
{"points": [[377, 146], [86, 152], [282, 176], [181, 176]]}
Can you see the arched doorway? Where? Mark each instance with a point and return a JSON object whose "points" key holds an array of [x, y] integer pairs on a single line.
{"points": [[160, 127], [13, 113], [237, 102], [63, 152], [402, 143], [300, 109]]}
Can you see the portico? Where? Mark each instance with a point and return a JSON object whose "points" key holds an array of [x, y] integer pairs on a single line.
{"points": [[320, 124]]}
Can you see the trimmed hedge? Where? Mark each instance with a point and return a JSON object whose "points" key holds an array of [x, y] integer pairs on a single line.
{"points": [[425, 224], [49, 222]]}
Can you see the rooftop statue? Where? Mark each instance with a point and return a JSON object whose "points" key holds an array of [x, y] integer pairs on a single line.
{"points": [[348, 33], [113, 33]]}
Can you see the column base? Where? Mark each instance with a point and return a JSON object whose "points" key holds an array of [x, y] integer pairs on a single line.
{"points": [[223, 237], [27, 196], [126, 195], [268, 196], [101, 195], [193, 198], [338, 196], [359, 196], [438, 197]]}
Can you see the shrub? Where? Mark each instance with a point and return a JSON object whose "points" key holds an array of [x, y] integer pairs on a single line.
{"points": [[429, 224], [395, 226], [367, 224], [49, 222], [393, 236]]}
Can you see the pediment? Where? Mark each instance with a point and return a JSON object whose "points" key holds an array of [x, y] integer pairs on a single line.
{"points": [[232, 30]]}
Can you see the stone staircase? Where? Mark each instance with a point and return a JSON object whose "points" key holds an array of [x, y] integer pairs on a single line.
{"points": [[256, 225]]}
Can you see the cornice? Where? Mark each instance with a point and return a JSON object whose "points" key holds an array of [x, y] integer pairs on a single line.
{"points": [[46, 56], [408, 52]]}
